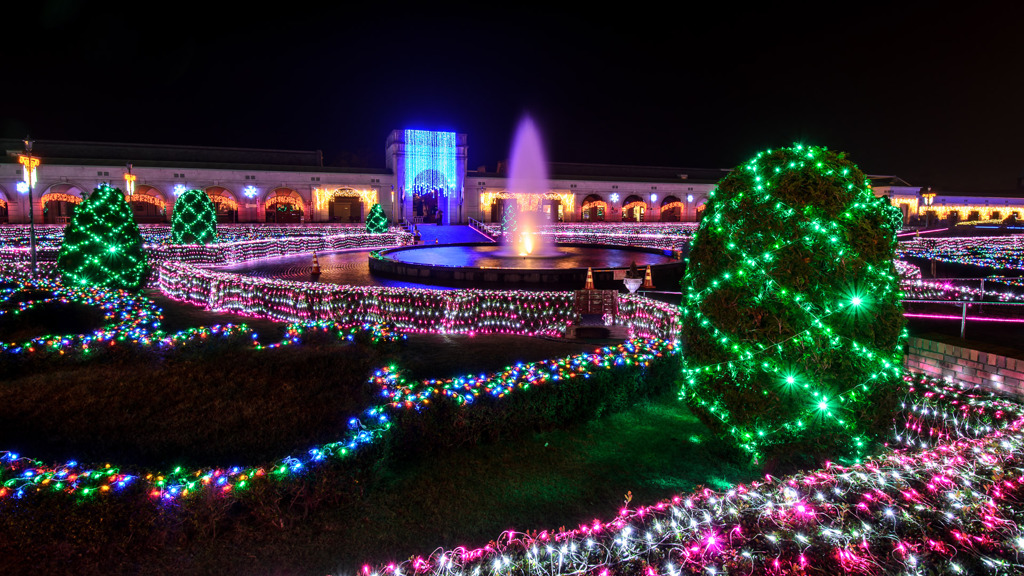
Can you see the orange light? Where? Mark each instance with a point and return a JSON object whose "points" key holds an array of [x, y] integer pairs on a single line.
{"points": [[30, 163]]}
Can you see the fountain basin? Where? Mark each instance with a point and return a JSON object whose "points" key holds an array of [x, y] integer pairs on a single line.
{"points": [[479, 265]]}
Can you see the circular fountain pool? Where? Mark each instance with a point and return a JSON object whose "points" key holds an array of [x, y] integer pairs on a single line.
{"points": [[482, 266]]}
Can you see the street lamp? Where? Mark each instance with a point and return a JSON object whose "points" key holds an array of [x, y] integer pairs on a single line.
{"points": [[29, 164], [129, 181], [928, 196]]}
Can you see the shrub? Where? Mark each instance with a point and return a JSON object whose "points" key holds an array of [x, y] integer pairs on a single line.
{"points": [[792, 319], [376, 220], [194, 220], [102, 244]]}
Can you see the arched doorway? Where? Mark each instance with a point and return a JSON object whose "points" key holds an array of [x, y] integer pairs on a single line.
{"points": [[672, 209], [633, 209], [498, 207], [346, 206], [4, 208], [225, 204], [700, 212], [58, 203], [429, 196], [593, 209], [148, 205], [283, 206]]}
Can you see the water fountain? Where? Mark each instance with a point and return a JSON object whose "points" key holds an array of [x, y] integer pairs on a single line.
{"points": [[528, 181], [524, 257]]}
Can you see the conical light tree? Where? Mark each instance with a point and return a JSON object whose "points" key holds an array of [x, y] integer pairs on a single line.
{"points": [[377, 220], [509, 222], [102, 245], [792, 313], [194, 220]]}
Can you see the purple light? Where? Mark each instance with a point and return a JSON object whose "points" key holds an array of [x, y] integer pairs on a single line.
{"points": [[971, 318]]}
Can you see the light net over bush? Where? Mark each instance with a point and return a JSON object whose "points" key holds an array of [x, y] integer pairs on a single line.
{"points": [[194, 220], [792, 320], [102, 245], [377, 220]]}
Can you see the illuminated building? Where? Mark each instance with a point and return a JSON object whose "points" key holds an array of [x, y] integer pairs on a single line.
{"points": [[425, 176]]}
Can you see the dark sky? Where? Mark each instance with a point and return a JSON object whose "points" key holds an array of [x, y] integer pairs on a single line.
{"points": [[934, 96]]}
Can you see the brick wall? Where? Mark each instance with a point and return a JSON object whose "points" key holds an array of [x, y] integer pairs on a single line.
{"points": [[991, 371]]}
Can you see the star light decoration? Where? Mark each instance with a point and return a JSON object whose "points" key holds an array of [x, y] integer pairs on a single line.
{"points": [[102, 244], [791, 306]]}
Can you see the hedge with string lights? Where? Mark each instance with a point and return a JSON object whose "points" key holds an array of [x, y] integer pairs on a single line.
{"points": [[102, 245], [194, 220], [792, 319]]}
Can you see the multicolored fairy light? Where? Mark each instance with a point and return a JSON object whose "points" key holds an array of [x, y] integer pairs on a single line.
{"points": [[790, 276]]}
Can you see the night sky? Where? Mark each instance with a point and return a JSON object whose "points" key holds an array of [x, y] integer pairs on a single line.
{"points": [[932, 96]]}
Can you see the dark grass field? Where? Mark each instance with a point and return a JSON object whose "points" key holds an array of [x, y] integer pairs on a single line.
{"points": [[227, 404]]}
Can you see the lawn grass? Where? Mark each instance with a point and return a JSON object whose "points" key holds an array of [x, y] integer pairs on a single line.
{"points": [[227, 404], [468, 497]]}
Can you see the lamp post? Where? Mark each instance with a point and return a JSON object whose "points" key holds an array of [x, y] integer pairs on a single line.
{"points": [[928, 196], [129, 181], [29, 164]]}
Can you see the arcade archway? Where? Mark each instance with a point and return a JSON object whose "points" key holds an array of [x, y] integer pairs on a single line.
{"points": [[58, 203], [4, 208], [148, 205], [672, 209], [283, 206], [225, 204], [593, 209], [633, 209]]}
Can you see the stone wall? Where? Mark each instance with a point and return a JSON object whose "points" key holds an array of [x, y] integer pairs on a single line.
{"points": [[988, 370]]}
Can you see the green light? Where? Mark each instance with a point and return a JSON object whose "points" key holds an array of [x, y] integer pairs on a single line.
{"points": [[786, 247]]}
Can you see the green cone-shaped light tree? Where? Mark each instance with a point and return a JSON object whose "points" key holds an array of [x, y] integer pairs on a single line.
{"points": [[102, 245], [377, 220], [792, 315], [510, 222], [194, 220]]}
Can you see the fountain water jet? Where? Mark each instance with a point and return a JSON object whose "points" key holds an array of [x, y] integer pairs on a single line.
{"points": [[528, 180]]}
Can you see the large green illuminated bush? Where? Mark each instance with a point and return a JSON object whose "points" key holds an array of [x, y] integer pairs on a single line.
{"points": [[102, 245], [792, 318], [194, 220]]}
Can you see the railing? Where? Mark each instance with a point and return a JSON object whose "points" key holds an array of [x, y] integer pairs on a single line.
{"points": [[481, 228], [1012, 312]]}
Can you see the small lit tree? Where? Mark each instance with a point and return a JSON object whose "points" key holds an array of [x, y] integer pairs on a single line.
{"points": [[377, 220], [509, 222], [102, 244], [194, 220], [792, 314]]}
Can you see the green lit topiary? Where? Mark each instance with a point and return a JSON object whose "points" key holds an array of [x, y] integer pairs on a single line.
{"points": [[194, 220], [510, 221], [792, 319], [102, 245], [377, 220]]}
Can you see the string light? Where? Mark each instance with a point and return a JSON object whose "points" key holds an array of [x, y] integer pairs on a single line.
{"points": [[780, 284], [102, 245], [194, 220], [377, 220]]}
